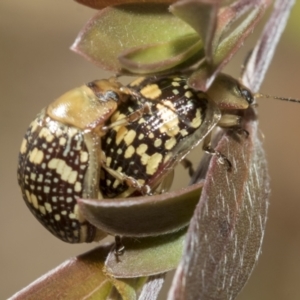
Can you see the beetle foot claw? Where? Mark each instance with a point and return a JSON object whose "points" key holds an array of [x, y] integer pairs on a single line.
{"points": [[222, 159], [146, 190], [119, 247]]}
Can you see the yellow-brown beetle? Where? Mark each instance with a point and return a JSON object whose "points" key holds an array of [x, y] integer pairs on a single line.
{"points": [[59, 159]]}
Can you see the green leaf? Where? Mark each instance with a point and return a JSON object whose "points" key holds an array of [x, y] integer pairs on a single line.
{"points": [[202, 16], [127, 288], [99, 4], [80, 277], [143, 216], [147, 256], [157, 58], [116, 29]]}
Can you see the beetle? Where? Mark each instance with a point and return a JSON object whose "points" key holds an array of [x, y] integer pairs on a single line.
{"points": [[59, 159], [100, 126], [141, 155]]}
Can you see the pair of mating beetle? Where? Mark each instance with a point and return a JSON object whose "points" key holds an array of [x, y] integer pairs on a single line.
{"points": [[105, 140]]}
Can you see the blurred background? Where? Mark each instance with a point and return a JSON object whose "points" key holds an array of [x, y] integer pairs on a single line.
{"points": [[37, 66]]}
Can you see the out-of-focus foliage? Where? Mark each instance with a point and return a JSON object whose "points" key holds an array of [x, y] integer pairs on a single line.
{"points": [[235, 218]]}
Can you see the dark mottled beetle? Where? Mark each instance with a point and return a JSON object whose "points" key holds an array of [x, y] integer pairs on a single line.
{"points": [[142, 155], [59, 159]]}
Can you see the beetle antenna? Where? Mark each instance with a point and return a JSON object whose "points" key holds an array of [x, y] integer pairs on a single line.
{"points": [[259, 95]]}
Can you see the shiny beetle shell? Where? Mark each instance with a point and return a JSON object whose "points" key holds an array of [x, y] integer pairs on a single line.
{"points": [[59, 158], [179, 119]]}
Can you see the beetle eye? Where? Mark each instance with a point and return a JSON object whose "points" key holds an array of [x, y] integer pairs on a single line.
{"points": [[246, 94]]}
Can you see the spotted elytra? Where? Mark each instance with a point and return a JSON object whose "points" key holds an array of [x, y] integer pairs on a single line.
{"points": [[179, 118], [59, 159]]}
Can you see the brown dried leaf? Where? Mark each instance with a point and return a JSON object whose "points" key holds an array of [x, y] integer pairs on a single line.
{"points": [[224, 47], [152, 287], [263, 52], [225, 235]]}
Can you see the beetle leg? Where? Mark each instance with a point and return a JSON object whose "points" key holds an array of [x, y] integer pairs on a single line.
{"points": [[221, 157], [187, 164], [166, 183], [119, 247], [131, 92], [233, 122], [136, 115], [128, 180], [229, 120]]}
